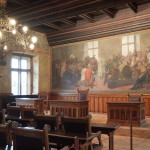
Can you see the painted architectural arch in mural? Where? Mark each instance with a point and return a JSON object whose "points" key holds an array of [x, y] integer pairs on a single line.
{"points": [[114, 63]]}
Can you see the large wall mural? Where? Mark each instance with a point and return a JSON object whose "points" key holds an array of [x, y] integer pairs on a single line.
{"points": [[114, 63]]}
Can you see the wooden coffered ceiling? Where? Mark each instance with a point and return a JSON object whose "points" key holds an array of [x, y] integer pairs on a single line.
{"points": [[56, 18]]}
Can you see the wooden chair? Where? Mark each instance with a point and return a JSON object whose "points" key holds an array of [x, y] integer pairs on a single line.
{"points": [[13, 113], [2, 116], [45, 97], [27, 116], [83, 94], [30, 139], [81, 127], [5, 135], [41, 120], [135, 97]]}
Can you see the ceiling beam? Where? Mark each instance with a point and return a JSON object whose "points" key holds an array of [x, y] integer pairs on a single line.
{"points": [[56, 15], [24, 2], [132, 6], [109, 12], [53, 26], [87, 17], [32, 7], [49, 7], [68, 22]]}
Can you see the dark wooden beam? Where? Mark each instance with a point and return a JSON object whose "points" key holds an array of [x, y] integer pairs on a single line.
{"points": [[32, 7], [24, 2], [53, 26], [87, 17], [68, 22], [55, 15], [47, 7], [132, 6], [109, 12]]}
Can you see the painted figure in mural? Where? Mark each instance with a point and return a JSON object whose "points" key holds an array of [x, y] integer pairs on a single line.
{"points": [[101, 67], [133, 65], [145, 78], [83, 75], [89, 76], [127, 71], [114, 72], [94, 64], [107, 70], [148, 55], [56, 70]]}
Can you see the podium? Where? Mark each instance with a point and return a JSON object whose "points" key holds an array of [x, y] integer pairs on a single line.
{"points": [[119, 113], [69, 108]]}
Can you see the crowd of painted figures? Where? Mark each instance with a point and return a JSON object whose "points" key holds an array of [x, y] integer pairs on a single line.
{"points": [[135, 66]]}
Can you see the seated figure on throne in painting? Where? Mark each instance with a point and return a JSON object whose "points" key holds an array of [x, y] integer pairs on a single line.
{"points": [[145, 78]]}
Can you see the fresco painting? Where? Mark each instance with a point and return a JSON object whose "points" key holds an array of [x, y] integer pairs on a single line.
{"points": [[77, 69]]}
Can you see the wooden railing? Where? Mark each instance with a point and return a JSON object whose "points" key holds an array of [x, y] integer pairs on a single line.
{"points": [[98, 101]]}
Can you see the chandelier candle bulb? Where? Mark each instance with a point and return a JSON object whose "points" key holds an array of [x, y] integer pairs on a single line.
{"points": [[12, 22], [25, 29], [34, 39], [5, 47]]}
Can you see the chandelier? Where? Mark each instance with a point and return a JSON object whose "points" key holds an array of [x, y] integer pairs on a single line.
{"points": [[13, 35]]}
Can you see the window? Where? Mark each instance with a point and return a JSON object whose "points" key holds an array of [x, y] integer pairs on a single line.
{"points": [[92, 49], [21, 75], [128, 44]]}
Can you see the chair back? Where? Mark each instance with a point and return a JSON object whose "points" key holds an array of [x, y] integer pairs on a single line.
{"points": [[135, 97], [41, 120], [43, 95], [5, 134], [2, 116], [76, 125], [30, 139], [83, 94], [13, 110], [28, 112]]}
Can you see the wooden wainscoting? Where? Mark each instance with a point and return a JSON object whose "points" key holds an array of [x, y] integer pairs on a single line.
{"points": [[146, 99], [98, 101]]}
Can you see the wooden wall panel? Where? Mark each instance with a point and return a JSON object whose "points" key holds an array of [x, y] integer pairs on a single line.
{"points": [[98, 101]]}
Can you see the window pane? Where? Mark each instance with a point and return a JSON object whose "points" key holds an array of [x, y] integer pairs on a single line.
{"points": [[131, 48], [15, 82], [131, 38], [24, 85], [25, 63], [14, 63], [124, 40], [124, 50], [90, 52], [96, 53], [90, 45], [95, 44]]}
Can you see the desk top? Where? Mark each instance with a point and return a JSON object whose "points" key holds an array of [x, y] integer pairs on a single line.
{"points": [[33, 99], [104, 128], [69, 101], [126, 102]]}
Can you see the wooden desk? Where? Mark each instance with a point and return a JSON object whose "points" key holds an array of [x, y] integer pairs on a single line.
{"points": [[119, 113], [31, 102], [108, 129], [70, 108]]}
